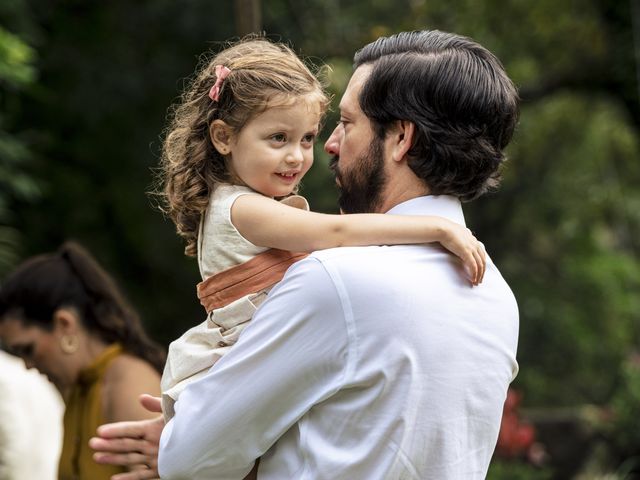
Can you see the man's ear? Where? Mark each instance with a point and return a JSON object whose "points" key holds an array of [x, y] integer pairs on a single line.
{"points": [[221, 136], [402, 135], [66, 321]]}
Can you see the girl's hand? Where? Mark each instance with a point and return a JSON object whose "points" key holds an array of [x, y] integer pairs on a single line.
{"points": [[461, 242]]}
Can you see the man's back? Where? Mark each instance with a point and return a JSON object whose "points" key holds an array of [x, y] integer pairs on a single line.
{"points": [[428, 364]]}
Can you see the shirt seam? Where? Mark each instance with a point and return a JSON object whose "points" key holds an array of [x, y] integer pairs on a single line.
{"points": [[347, 315]]}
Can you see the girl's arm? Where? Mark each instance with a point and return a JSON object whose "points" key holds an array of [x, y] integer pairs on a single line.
{"points": [[268, 223]]}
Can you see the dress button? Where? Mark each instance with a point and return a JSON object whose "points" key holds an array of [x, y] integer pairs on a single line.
{"points": [[222, 344]]}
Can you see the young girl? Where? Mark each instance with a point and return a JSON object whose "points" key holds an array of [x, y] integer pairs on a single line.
{"points": [[238, 145]]}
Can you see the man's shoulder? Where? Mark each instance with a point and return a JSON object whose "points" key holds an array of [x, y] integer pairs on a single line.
{"points": [[375, 257], [371, 267], [342, 253], [426, 270], [357, 261], [321, 274]]}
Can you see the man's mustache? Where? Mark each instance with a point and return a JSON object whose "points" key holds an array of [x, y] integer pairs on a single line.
{"points": [[333, 166]]}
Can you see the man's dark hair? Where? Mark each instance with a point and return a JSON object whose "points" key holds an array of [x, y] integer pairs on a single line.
{"points": [[457, 94]]}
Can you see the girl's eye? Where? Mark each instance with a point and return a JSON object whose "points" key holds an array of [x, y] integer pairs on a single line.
{"points": [[309, 138], [279, 137]]}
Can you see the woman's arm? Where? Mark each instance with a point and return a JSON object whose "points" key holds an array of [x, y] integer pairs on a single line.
{"points": [[268, 223]]}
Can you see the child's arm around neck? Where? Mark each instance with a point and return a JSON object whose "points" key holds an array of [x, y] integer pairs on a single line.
{"points": [[268, 223]]}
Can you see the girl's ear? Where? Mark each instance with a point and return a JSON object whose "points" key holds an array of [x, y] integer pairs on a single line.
{"points": [[221, 136]]}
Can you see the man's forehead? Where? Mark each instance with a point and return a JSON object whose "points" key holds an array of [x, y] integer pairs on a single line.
{"points": [[349, 101]]}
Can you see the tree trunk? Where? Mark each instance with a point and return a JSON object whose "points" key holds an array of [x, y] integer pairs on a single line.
{"points": [[248, 16]]}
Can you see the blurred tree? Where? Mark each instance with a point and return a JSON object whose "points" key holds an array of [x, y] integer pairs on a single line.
{"points": [[570, 247], [248, 15], [16, 72], [563, 229], [95, 117]]}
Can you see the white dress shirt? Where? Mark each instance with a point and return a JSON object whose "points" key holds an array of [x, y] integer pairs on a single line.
{"points": [[364, 363]]}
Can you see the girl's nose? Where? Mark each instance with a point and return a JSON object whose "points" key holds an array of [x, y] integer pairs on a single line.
{"points": [[295, 156]]}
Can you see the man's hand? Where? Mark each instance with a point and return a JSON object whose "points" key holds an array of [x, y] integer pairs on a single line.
{"points": [[131, 444]]}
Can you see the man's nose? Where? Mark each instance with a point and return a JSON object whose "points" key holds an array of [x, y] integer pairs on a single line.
{"points": [[332, 145]]}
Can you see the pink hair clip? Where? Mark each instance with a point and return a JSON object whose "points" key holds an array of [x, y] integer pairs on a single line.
{"points": [[221, 73]]}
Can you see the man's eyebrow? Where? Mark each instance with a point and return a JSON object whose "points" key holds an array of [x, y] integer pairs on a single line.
{"points": [[344, 109]]}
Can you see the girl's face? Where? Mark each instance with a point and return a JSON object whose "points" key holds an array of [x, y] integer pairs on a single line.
{"points": [[274, 150]]}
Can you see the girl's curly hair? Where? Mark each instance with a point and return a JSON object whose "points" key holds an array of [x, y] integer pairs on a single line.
{"points": [[263, 74]]}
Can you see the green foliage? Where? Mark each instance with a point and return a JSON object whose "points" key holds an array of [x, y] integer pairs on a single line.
{"points": [[16, 60], [563, 229], [14, 184], [625, 406], [16, 72], [570, 251], [504, 470]]}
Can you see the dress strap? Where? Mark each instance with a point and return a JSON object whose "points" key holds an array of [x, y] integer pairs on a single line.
{"points": [[99, 365], [262, 271]]}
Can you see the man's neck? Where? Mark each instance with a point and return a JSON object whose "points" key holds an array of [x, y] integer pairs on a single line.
{"points": [[401, 189]]}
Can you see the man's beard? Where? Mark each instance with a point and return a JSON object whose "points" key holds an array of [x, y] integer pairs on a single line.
{"points": [[360, 187]]}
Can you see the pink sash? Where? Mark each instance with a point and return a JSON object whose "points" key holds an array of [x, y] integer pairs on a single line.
{"points": [[262, 271]]}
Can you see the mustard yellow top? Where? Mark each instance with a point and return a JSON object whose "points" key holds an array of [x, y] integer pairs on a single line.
{"points": [[83, 414]]}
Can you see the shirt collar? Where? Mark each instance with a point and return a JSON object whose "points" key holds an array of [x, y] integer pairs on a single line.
{"points": [[445, 206]]}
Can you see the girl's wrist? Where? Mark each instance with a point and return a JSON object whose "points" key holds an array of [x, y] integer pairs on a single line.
{"points": [[441, 230]]}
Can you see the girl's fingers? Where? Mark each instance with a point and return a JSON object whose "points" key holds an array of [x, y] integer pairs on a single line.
{"points": [[472, 266], [481, 258], [476, 266]]}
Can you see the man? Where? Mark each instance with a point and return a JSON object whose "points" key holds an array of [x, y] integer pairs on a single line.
{"points": [[370, 362]]}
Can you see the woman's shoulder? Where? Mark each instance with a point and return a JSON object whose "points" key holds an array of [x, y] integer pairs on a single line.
{"points": [[126, 378], [126, 366]]}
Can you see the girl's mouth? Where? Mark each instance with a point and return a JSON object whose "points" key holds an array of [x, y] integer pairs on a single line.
{"points": [[288, 176]]}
